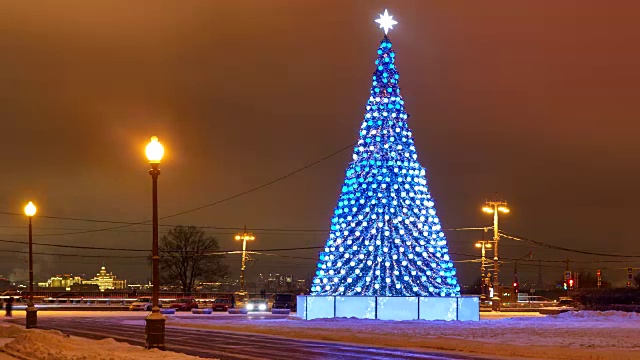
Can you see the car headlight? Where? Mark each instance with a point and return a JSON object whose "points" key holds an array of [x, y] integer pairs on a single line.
{"points": [[262, 307], [249, 306]]}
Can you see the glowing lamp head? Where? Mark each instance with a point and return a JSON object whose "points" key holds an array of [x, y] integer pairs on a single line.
{"points": [[503, 209], [488, 245], [478, 245], [155, 151], [245, 236], [487, 209], [30, 209]]}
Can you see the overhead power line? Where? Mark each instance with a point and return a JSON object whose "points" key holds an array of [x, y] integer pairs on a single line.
{"points": [[148, 250], [76, 255], [263, 185], [555, 247], [127, 224]]}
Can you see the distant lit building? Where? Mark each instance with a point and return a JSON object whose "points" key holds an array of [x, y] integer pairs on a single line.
{"points": [[69, 282], [62, 281], [106, 281], [277, 283]]}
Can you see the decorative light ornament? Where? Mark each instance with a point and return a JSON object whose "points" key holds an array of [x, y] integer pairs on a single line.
{"points": [[386, 21]]}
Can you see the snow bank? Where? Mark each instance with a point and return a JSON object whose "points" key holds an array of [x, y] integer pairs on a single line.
{"points": [[571, 336], [602, 315], [53, 345]]}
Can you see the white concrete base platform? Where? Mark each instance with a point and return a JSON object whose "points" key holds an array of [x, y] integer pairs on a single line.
{"points": [[390, 307]]}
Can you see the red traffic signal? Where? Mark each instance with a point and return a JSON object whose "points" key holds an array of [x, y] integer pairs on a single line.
{"points": [[570, 282], [599, 273]]}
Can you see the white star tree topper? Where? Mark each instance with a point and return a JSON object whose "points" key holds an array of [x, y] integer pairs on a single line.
{"points": [[386, 21]]}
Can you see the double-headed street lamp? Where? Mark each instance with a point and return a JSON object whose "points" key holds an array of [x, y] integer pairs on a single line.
{"points": [[483, 244], [495, 207], [32, 312], [244, 236], [154, 329]]}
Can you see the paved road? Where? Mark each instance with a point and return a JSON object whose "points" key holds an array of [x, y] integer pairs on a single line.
{"points": [[231, 346]]}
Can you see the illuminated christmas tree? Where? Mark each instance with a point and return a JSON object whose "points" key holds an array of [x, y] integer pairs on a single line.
{"points": [[385, 238]]}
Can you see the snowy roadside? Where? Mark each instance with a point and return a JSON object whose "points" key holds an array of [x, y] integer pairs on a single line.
{"points": [[18, 343], [572, 336]]}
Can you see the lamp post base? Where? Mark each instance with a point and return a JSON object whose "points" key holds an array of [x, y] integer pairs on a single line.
{"points": [[32, 317], [495, 303], [154, 331]]}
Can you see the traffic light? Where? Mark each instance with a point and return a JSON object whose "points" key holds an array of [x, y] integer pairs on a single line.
{"points": [[565, 285], [570, 283], [516, 287]]}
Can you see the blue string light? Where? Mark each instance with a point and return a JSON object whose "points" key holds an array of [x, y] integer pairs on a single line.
{"points": [[385, 238]]}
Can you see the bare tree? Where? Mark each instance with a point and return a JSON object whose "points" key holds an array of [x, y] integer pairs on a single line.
{"points": [[185, 258]]}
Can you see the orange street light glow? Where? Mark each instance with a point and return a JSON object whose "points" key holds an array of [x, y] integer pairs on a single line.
{"points": [[155, 151], [30, 209]]}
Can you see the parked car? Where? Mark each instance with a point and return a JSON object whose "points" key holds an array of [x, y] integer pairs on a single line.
{"points": [[257, 305], [284, 301], [184, 304], [144, 304], [221, 304], [567, 302]]}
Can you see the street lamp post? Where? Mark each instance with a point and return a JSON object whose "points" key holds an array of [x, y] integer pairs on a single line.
{"points": [[154, 329], [32, 312], [483, 244], [495, 207], [244, 236]]}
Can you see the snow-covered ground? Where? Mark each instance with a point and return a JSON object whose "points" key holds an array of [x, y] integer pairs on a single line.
{"points": [[575, 335], [52, 345]]}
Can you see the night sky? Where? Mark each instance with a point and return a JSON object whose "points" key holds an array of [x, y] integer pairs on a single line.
{"points": [[535, 100]]}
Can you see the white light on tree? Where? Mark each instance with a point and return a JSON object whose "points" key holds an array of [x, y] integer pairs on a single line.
{"points": [[386, 21]]}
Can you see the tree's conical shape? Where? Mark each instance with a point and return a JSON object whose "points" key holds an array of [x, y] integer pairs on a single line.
{"points": [[385, 238]]}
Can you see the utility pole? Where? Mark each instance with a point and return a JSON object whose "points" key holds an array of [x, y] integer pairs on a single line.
{"points": [[493, 207], [540, 274], [516, 282], [244, 236], [483, 244]]}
